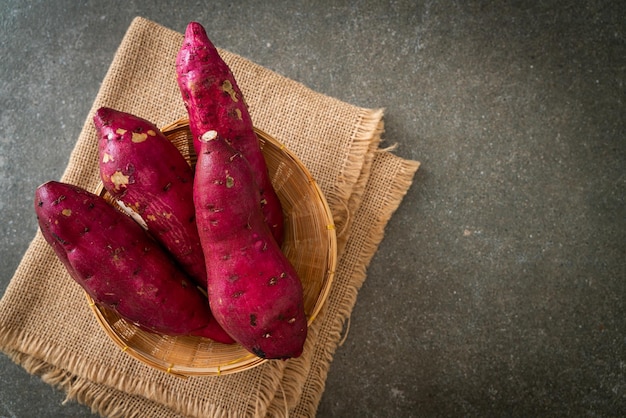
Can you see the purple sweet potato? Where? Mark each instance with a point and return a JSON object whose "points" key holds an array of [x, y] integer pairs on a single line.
{"points": [[214, 102], [141, 168], [119, 265], [254, 291]]}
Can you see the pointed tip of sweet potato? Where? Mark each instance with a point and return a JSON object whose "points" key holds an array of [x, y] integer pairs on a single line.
{"points": [[44, 191], [196, 33], [196, 39], [106, 118], [103, 117]]}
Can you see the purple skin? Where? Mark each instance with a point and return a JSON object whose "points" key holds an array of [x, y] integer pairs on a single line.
{"points": [[215, 102], [119, 266], [254, 291], [142, 168]]}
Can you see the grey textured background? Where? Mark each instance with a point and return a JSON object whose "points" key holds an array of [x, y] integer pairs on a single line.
{"points": [[499, 287]]}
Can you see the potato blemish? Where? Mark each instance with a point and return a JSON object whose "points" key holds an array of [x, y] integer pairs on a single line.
{"points": [[119, 180], [120, 131], [67, 212], [107, 158], [227, 87], [139, 137]]}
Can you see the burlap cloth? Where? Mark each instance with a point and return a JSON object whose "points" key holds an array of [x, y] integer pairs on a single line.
{"points": [[47, 327]]}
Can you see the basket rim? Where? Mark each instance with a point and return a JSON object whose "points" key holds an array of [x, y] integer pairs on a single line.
{"points": [[249, 360]]}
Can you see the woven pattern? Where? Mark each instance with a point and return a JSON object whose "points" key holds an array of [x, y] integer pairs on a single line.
{"points": [[309, 243], [46, 326]]}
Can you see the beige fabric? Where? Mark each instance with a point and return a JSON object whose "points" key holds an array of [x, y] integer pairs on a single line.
{"points": [[46, 324]]}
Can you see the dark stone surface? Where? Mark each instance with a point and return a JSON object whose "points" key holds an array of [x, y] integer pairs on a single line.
{"points": [[499, 287]]}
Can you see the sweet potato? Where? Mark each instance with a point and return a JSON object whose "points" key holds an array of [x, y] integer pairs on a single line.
{"points": [[140, 167], [214, 102], [254, 291], [119, 265]]}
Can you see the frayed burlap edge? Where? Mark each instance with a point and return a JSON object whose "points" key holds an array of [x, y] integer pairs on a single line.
{"points": [[366, 137], [105, 393], [298, 370], [83, 391], [335, 320], [303, 392], [356, 197], [295, 374]]}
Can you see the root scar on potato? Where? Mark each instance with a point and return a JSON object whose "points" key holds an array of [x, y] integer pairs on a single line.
{"points": [[208, 136]]}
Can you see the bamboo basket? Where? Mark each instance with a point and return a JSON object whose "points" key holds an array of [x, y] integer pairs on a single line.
{"points": [[310, 244]]}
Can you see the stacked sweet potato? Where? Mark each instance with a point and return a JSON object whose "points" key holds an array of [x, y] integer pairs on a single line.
{"points": [[214, 230]]}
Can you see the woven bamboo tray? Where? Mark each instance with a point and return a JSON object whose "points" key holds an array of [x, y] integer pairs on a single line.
{"points": [[310, 244]]}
